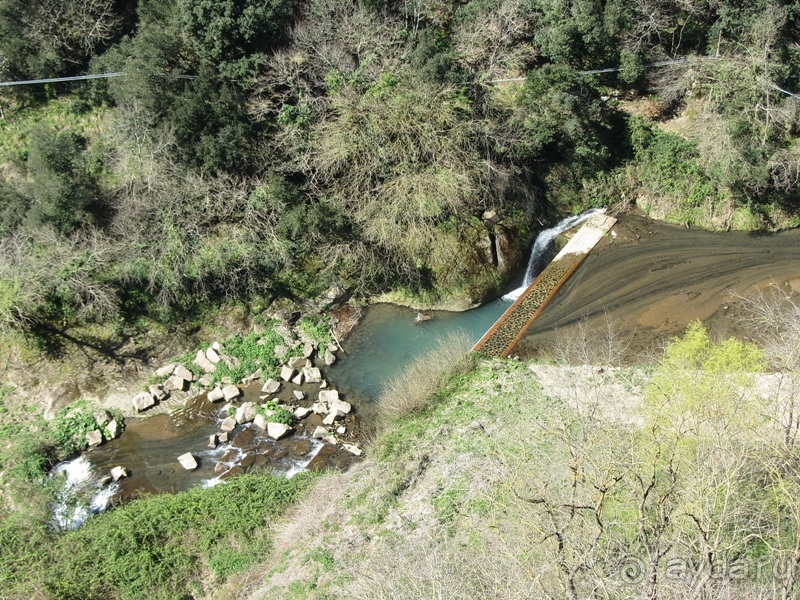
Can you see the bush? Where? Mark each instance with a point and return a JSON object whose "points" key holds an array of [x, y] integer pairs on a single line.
{"points": [[279, 414], [71, 425]]}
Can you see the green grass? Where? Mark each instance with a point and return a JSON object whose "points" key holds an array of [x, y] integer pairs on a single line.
{"points": [[158, 547]]}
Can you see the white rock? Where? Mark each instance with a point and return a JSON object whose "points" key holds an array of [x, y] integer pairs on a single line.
{"points": [[328, 396], [260, 421], [228, 424], [188, 461], [319, 408], [143, 401], [112, 427], [312, 375], [287, 373], [301, 412], [331, 439], [330, 358], [352, 449], [298, 379], [212, 355], [118, 473], [308, 350], [299, 395], [246, 413], [229, 392], [205, 380], [175, 382], [94, 437], [101, 417], [330, 418], [297, 362], [319, 433], [223, 437], [323, 384], [166, 370], [215, 395], [212, 441], [217, 346], [341, 406], [271, 386], [201, 361], [341, 430], [277, 430], [158, 391], [183, 372]]}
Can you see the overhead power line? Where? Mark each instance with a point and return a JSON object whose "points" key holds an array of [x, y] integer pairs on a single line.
{"points": [[60, 79]]}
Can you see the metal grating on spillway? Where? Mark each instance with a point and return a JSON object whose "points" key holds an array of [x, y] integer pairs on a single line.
{"points": [[512, 325]]}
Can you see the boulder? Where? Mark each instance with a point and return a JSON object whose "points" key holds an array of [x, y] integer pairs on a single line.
{"points": [[212, 355], [260, 421], [312, 375], [205, 380], [215, 395], [202, 361], [101, 417], [331, 439], [143, 401], [222, 438], [341, 407], [319, 408], [277, 430], [298, 379], [228, 424], [333, 297], [212, 441], [301, 412], [308, 350], [330, 358], [298, 362], [118, 473], [257, 374], [323, 384], [271, 386], [246, 413], [158, 391], [220, 468], [333, 347], [229, 392], [184, 373], [328, 396], [341, 430], [166, 370], [330, 418], [188, 461], [176, 382], [113, 429], [353, 449], [319, 433], [94, 437], [216, 346], [287, 373], [298, 395], [280, 351]]}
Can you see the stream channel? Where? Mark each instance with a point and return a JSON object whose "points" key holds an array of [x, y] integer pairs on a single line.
{"points": [[649, 277]]}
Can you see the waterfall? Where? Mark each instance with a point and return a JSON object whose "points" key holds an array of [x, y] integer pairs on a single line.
{"points": [[80, 496], [541, 253]]}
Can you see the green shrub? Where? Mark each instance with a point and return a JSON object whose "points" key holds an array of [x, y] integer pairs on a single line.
{"points": [[279, 414], [71, 425]]}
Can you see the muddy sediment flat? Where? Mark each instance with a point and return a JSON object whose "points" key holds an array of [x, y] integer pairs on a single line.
{"points": [[652, 279]]}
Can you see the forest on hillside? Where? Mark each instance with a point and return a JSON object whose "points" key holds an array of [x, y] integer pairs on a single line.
{"points": [[254, 150]]}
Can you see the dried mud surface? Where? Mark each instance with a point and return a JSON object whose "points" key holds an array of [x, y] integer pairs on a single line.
{"points": [[652, 279]]}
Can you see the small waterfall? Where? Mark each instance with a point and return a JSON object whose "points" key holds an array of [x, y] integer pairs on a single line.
{"points": [[80, 497], [541, 253]]}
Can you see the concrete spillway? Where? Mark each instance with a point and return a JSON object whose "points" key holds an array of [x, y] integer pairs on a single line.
{"points": [[512, 325]]}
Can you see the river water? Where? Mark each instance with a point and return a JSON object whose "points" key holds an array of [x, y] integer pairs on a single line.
{"points": [[650, 279]]}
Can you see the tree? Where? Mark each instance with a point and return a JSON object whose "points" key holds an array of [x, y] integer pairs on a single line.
{"points": [[233, 35]]}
